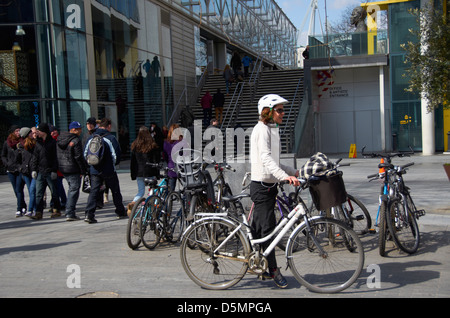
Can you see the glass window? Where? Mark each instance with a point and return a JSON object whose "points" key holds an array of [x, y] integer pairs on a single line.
{"points": [[18, 67], [17, 11], [400, 22]]}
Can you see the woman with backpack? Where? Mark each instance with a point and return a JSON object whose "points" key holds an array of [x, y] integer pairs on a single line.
{"points": [[144, 149]]}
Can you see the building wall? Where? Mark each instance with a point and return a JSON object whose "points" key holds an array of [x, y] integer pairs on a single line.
{"points": [[347, 107]]}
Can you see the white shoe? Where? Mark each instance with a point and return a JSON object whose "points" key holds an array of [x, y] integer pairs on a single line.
{"points": [[29, 214], [18, 214]]}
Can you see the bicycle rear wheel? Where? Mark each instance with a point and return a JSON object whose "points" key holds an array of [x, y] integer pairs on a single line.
{"points": [[152, 222], [360, 217], [204, 265], [321, 259], [403, 226], [176, 218], [133, 228]]}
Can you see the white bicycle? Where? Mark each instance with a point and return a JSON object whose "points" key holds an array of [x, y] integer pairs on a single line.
{"points": [[325, 255]]}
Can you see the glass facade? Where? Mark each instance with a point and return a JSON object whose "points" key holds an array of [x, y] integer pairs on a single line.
{"points": [[406, 107], [55, 54]]}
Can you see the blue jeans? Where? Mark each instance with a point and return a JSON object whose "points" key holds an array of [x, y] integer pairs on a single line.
{"points": [[31, 185], [141, 188], [73, 193], [17, 185]]}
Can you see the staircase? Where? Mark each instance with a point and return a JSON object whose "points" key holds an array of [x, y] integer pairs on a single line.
{"points": [[280, 82]]}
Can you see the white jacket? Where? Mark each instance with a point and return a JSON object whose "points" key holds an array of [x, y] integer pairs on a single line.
{"points": [[265, 149]]}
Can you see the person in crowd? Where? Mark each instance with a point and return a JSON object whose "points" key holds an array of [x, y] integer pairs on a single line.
{"points": [[105, 172], [246, 61], [11, 160], [54, 132], [228, 76], [218, 102], [266, 172], [174, 136], [26, 147], [44, 166], [143, 150], [206, 103], [72, 165], [236, 64]]}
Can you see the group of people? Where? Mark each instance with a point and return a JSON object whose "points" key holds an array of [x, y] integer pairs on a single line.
{"points": [[40, 157]]}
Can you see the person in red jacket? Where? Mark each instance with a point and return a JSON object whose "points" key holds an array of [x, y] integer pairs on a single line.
{"points": [[206, 103]]}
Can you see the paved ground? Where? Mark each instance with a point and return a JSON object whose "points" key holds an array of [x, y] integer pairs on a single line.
{"points": [[41, 258]]}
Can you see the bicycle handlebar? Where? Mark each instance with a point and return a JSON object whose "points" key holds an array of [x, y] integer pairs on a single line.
{"points": [[386, 155]]}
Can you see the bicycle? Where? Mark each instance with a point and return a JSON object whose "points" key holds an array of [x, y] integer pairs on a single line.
{"points": [[162, 217], [324, 255], [133, 235], [397, 213]]}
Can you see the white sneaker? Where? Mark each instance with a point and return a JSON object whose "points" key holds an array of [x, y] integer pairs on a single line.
{"points": [[18, 214], [29, 214]]}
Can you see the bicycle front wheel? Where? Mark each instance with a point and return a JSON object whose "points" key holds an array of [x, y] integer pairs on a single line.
{"points": [[209, 260], [326, 258], [359, 215], [133, 227], [176, 218], [152, 222], [403, 226]]}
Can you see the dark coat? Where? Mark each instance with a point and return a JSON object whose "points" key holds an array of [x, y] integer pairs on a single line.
{"points": [[10, 156], [138, 167], [44, 156], [69, 152]]}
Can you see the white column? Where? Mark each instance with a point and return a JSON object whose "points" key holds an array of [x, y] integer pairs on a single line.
{"points": [[428, 137]]}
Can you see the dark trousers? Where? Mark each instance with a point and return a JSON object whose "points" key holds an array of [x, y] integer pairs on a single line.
{"points": [[112, 182], [264, 222], [43, 180]]}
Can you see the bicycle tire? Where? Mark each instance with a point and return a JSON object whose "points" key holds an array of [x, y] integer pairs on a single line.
{"points": [[333, 272], [133, 228], [215, 271], [360, 216], [403, 226], [382, 229], [176, 217], [151, 222]]}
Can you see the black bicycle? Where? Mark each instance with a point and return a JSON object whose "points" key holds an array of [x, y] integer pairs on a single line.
{"points": [[397, 214]]}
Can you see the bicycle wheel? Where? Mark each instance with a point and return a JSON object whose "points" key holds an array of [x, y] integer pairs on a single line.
{"points": [[321, 259], [133, 228], [403, 226], [175, 218], [382, 229], [210, 268], [359, 215], [151, 222]]}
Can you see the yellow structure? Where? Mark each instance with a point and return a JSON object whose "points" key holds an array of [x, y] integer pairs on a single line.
{"points": [[372, 8]]}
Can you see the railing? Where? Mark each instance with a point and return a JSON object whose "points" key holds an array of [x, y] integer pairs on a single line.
{"points": [[188, 99], [349, 44], [235, 103]]}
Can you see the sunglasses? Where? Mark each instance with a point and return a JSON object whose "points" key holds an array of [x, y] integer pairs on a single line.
{"points": [[279, 110]]}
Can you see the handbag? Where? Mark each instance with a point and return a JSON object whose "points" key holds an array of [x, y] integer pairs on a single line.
{"points": [[86, 186]]}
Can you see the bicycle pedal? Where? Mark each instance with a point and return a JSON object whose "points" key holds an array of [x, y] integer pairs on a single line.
{"points": [[372, 231], [359, 217], [419, 213]]}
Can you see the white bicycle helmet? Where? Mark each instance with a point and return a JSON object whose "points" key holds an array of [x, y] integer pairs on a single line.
{"points": [[270, 101]]}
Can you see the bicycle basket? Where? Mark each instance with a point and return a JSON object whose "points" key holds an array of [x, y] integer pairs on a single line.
{"points": [[189, 165], [327, 191]]}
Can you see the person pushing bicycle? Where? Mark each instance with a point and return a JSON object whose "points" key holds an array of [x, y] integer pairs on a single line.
{"points": [[266, 172]]}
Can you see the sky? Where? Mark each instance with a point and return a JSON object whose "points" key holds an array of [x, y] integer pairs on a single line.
{"points": [[296, 10]]}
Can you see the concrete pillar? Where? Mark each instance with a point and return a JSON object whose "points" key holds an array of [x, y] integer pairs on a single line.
{"points": [[428, 130]]}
